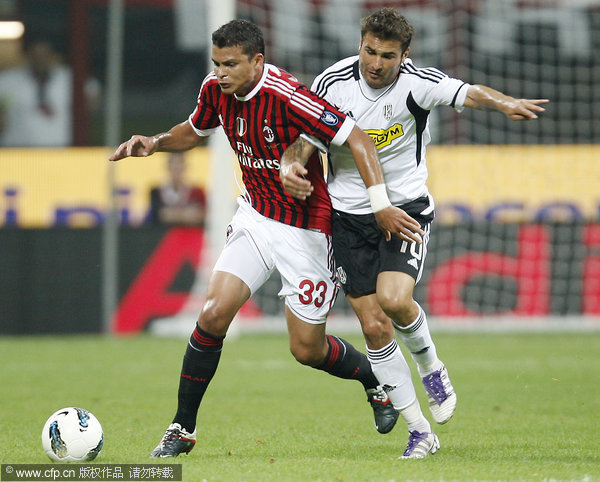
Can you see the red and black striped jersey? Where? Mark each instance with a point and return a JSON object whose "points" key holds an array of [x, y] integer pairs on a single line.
{"points": [[260, 126]]}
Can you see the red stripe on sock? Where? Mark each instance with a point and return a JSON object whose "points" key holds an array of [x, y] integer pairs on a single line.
{"points": [[334, 352], [206, 340]]}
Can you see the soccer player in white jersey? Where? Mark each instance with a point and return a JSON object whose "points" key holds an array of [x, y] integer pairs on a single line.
{"points": [[390, 98]]}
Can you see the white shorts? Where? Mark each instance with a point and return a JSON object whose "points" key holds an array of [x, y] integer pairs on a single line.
{"points": [[257, 245]]}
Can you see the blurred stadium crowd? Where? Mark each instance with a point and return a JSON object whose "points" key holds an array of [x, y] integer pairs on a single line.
{"points": [[534, 48]]}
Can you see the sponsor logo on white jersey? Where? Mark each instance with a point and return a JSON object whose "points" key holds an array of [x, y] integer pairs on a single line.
{"points": [[384, 137]]}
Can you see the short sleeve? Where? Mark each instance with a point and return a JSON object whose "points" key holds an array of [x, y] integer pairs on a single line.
{"points": [[318, 118], [447, 91], [205, 119]]}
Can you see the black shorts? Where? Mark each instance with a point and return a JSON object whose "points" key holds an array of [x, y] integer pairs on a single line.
{"points": [[361, 251]]}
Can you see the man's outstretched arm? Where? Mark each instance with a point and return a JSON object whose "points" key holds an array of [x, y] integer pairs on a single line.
{"points": [[482, 97], [180, 137]]}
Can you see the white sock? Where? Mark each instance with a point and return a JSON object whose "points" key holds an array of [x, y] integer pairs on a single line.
{"points": [[414, 418], [392, 371], [417, 339]]}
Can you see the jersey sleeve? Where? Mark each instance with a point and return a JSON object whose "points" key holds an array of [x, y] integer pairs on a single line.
{"points": [[318, 118], [446, 91], [205, 119]]}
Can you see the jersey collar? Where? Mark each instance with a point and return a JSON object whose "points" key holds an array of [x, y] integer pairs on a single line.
{"points": [[374, 94], [258, 85], [370, 93]]}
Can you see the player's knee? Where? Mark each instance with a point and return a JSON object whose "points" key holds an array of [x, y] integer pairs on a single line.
{"points": [[306, 354], [375, 325], [215, 318], [396, 304]]}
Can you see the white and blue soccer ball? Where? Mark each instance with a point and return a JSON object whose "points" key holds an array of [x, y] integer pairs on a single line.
{"points": [[72, 435]]}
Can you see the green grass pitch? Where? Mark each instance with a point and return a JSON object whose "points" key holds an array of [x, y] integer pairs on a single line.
{"points": [[528, 408]]}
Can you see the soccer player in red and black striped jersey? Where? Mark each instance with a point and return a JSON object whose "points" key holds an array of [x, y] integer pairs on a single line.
{"points": [[262, 110]]}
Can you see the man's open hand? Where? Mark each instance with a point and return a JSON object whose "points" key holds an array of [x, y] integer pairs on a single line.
{"points": [[395, 221]]}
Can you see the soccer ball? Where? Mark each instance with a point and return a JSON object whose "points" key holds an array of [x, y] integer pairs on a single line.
{"points": [[72, 434]]}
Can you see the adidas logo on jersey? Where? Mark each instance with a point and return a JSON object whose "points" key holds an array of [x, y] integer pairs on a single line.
{"points": [[413, 263]]}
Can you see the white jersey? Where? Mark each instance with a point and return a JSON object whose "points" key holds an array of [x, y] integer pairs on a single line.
{"points": [[396, 118]]}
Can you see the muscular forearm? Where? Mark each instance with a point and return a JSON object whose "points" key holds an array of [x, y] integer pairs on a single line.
{"points": [[292, 170], [298, 151], [366, 157], [369, 167], [483, 97], [180, 137]]}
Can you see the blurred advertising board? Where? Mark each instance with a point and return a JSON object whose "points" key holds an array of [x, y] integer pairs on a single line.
{"points": [[68, 187], [507, 273]]}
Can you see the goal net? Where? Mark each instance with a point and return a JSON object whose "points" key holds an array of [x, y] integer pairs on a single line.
{"points": [[516, 235], [528, 48]]}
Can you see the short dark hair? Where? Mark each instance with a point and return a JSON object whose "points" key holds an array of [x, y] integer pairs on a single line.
{"points": [[240, 32], [388, 24]]}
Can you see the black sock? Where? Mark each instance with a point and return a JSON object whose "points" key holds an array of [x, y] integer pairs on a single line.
{"points": [[199, 366], [345, 361]]}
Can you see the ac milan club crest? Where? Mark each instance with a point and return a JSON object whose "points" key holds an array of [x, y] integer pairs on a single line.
{"points": [[268, 133]]}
